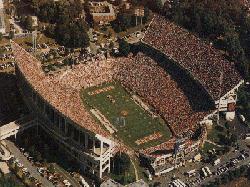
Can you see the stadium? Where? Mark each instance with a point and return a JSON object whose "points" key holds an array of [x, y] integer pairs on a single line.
{"points": [[151, 108]]}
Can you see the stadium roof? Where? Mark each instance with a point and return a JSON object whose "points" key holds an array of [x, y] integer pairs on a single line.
{"points": [[202, 61]]}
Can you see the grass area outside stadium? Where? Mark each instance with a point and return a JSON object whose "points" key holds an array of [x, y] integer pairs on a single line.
{"points": [[136, 124], [216, 134]]}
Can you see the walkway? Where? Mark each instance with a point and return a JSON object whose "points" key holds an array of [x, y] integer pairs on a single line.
{"points": [[208, 141], [4, 168], [136, 172], [16, 126], [4, 153], [32, 169], [16, 26]]}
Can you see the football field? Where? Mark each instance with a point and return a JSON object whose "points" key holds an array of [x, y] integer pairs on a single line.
{"points": [[134, 126]]}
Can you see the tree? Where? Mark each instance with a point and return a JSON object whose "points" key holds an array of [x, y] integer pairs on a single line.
{"points": [[248, 174], [68, 61], [124, 47], [233, 138], [72, 34], [38, 156], [50, 31], [29, 23], [35, 5], [6, 181], [11, 34], [48, 12], [155, 5], [227, 125], [233, 46], [225, 178], [157, 184], [146, 14], [198, 24], [122, 22], [1, 36], [76, 8], [51, 168], [16, 168], [23, 177], [209, 23], [122, 163]]}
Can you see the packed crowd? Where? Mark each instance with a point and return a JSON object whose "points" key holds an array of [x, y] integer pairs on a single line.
{"points": [[151, 137], [201, 60], [246, 3], [142, 75], [66, 101], [189, 145], [87, 75], [169, 145]]}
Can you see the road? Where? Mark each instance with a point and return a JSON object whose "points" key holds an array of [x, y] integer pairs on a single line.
{"points": [[66, 176], [32, 169]]}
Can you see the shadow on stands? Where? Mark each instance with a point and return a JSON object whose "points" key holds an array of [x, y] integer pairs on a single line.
{"points": [[198, 97], [11, 102]]}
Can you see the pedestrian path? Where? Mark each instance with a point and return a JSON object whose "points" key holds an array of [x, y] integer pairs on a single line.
{"points": [[4, 153], [213, 143]]}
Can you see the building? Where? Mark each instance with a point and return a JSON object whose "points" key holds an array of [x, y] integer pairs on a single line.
{"points": [[34, 21], [102, 12], [2, 19]]}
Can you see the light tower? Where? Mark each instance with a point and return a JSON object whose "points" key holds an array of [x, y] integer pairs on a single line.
{"points": [[34, 41], [218, 111], [178, 150]]}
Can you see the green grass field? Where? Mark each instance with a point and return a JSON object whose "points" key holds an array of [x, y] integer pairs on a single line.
{"points": [[138, 122], [208, 146], [216, 133]]}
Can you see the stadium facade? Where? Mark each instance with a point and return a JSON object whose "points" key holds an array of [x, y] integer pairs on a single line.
{"points": [[57, 105], [86, 143]]}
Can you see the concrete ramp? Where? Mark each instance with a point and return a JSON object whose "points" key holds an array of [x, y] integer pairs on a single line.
{"points": [[14, 127], [4, 153]]}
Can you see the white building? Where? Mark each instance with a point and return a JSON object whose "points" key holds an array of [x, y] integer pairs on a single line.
{"points": [[2, 21]]}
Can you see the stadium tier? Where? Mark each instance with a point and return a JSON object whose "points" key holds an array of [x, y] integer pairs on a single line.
{"points": [[142, 75], [58, 109], [202, 61]]}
